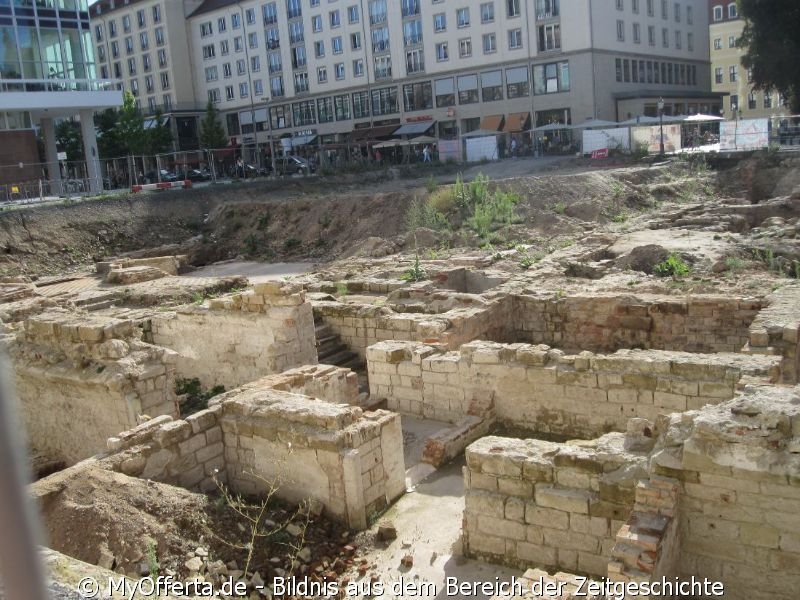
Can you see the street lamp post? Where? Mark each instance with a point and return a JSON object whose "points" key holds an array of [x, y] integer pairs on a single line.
{"points": [[269, 129], [661, 124]]}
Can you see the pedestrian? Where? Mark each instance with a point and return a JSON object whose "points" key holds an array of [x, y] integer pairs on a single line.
{"points": [[513, 146], [378, 157], [426, 154]]}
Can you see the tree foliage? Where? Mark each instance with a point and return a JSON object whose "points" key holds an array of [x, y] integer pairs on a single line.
{"points": [[771, 39], [69, 139], [212, 133], [122, 132]]}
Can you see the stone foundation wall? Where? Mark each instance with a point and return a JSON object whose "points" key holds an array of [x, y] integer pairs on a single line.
{"points": [[323, 382], [351, 462], [231, 341], [605, 323], [544, 390], [530, 502], [83, 378], [776, 330], [738, 464], [361, 326]]}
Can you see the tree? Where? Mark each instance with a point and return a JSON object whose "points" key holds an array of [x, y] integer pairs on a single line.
{"points": [[108, 143], [771, 38], [212, 134], [129, 129], [159, 137], [69, 139]]}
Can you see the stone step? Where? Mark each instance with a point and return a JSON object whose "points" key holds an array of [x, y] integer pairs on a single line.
{"points": [[330, 349], [340, 358], [325, 340]]}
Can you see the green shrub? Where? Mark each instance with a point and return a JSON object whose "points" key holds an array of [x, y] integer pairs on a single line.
{"points": [[673, 266], [442, 200]]}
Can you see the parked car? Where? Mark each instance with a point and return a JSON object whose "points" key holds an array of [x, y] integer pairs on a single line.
{"points": [[289, 165], [253, 171], [168, 176], [197, 175]]}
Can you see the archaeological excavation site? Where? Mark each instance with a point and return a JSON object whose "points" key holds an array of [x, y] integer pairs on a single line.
{"points": [[582, 378]]}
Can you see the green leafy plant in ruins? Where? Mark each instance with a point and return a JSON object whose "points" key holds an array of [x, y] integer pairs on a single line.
{"points": [[673, 266], [152, 560], [196, 398], [415, 273]]}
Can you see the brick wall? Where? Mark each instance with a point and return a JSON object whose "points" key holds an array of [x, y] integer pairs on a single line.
{"points": [[545, 390], [776, 330]]}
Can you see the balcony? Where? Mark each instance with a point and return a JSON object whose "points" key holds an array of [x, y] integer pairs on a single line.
{"points": [[380, 47], [412, 40], [410, 8], [384, 73], [378, 18]]}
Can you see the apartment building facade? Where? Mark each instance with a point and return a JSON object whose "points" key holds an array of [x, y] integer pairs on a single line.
{"points": [[364, 67], [144, 43], [47, 72], [729, 76]]}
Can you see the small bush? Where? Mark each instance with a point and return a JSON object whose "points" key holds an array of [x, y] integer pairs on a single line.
{"points": [[415, 273], [442, 200], [196, 397], [673, 266], [430, 184], [291, 243]]}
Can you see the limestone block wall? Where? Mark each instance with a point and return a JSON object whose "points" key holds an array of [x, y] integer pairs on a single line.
{"points": [[230, 341], [361, 326], [544, 390], [186, 452], [352, 462], [324, 382], [738, 464], [530, 502], [82, 378], [606, 322], [776, 330]]}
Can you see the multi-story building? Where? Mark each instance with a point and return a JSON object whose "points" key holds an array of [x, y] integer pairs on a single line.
{"points": [[47, 72], [144, 44], [729, 77], [365, 67]]}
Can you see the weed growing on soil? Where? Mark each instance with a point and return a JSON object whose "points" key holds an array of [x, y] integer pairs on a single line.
{"points": [[559, 208], [289, 532], [341, 289], [415, 273], [673, 266], [430, 184], [152, 559], [196, 397]]}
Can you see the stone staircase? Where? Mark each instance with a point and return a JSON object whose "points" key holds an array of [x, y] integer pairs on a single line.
{"points": [[332, 351]]}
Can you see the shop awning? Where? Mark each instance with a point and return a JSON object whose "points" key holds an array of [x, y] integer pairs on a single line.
{"points": [[491, 123], [372, 133], [517, 122], [414, 128], [302, 140]]}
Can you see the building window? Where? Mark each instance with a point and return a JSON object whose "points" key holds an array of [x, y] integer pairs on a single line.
{"points": [[162, 58], [341, 107], [258, 87], [637, 33], [98, 33], [487, 12], [141, 19], [651, 35], [275, 62], [134, 85], [322, 74], [665, 37], [517, 84], [552, 78], [211, 73], [159, 33], [690, 41], [512, 8], [445, 92], [101, 53], [492, 86], [353, 14], [678, 40], [294, 9], [146, 64], [238, 46], [164, 81], [338, 70], [226, 70], [383, 67], [131, 66], [114, 50], [620, 4], [360, 105], [335, 19], [465, 47], [336, 43], [213, 96], [677, 11], [355, 41], [549, 37], [546, 9], [462, 17], [718, 13], [276, 86], [157, 14], [325, 109], [236, 21], [515, 39], [250, 16], [412, 32], [752, 101], [733, 73], [358, 67], [732, 41], [690, 15], [418, 96], [255, 63], [224, 50], [489, 43], [717, 43], [129, 45], [144, 41], [300, 83], [732, 11], [767, 99], [298, 57], [665, 9], [205, 29], [467, 89], [620, 30], [635, 6], [208, 51], [734, 102], [126, 24], [316, 23], [319, 49], [415, 61], [244, 90], [439, 22], [151, 104], [384, 101], [441, 52], [273, 38]]}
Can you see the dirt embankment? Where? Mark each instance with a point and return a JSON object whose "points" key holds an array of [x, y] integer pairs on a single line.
{"points": [[313, 219]]}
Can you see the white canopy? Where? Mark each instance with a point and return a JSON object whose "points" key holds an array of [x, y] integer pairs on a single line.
{"points": [[701, 118]]}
